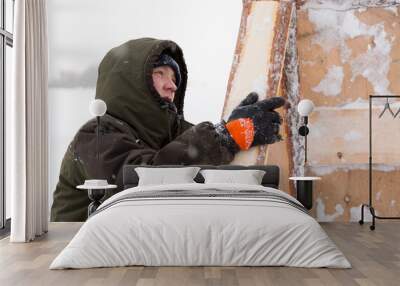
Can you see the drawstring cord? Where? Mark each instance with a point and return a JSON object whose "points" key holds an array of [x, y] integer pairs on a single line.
{"points": [[179, 117], [165, 106], [169, 128]]}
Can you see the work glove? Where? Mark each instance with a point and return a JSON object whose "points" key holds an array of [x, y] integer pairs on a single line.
{"points": [[252, 123]]}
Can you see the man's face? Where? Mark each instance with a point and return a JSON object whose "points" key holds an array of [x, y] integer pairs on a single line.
{"points": [[164, 82]]}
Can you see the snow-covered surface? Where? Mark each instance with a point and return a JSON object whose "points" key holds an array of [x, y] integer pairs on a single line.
{"points": [[260, 84], [254, 51], [355, 214], [291, 71], [335, 22], [321, 170], [345, 5], [354, 46], [331, 84], [393, 9], [323, 216], [362, 104], [352, 135], [256, 67]]}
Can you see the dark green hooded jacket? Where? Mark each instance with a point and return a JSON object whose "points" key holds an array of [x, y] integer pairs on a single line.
{"points": [[138, 128]]}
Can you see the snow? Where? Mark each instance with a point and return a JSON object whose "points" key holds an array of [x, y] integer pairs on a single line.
{"points": [[355, 214], [393, 9], [266, 22], [360, 103], [322, 170], [352, 136], [328, 28], [343, 5], [260, 84], [333, 26], [353, 26], [192, 152], [293, 96], [331, 84], [321, 214], [375, 62]]}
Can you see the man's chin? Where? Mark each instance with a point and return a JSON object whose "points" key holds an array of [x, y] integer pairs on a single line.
{"points": [[167, 99]]}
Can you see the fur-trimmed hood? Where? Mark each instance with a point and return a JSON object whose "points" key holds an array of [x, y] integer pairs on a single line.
{"points": [[125, 84]]}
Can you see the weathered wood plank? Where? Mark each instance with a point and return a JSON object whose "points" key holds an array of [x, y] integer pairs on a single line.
{"points": [[258, 61]]}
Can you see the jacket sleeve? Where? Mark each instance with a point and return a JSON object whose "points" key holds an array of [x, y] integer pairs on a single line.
{"points": [[185, 125], [119, 146], [199, 144]]}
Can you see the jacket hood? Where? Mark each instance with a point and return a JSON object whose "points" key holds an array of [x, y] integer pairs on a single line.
{"points": [[125, 83]]}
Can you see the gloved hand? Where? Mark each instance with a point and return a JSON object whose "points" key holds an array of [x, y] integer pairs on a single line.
{"points": [[252, 123]]}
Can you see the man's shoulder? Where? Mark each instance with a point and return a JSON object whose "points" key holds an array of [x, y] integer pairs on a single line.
{"points": [[108, 123], [110, 127], [113, 133]]}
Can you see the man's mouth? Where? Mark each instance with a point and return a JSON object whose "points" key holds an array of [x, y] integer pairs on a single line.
{"points": [[167, 99]]}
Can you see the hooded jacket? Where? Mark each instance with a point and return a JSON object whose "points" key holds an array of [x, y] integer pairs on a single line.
{"points": [[138, 128]]}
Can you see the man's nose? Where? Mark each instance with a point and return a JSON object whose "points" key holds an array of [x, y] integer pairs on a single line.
{"points": [[171, 85]]}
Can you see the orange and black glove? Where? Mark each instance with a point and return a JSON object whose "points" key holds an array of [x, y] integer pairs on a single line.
{"points": [[252, 123]]}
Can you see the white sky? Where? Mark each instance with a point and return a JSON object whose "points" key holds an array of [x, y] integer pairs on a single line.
{"points": [[81, 32]]}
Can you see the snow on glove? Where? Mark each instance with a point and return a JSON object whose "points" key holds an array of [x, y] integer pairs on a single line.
{"points": [[252, 123]]}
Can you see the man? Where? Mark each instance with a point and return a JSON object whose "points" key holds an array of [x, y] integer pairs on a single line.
{"points": [[165, 74], [143, 83]]}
